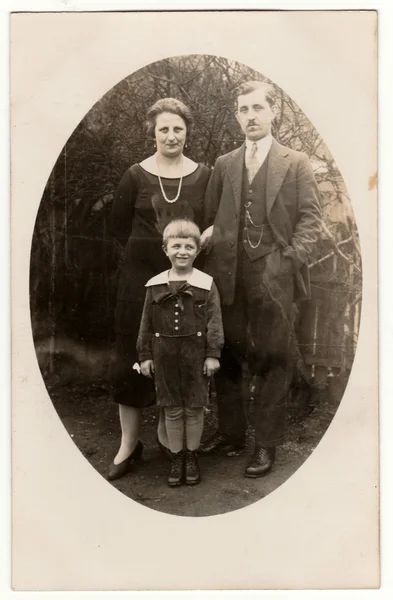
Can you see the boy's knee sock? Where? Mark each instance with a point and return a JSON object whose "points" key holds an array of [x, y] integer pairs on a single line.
{"points": [[174, 420], [194, 427]]}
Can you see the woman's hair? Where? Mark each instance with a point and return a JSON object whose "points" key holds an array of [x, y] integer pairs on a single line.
{"points": [[181, 228], [250, 86], [170, 105]]}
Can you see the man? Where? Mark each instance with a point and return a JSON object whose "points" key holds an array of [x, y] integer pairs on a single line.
{"points": [[263, 217]]}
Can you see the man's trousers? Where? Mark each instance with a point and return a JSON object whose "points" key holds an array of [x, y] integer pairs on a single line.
{"points": [[257, 328]]}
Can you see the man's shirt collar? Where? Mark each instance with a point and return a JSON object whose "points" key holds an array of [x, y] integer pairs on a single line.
{"points": [[264, 144]]}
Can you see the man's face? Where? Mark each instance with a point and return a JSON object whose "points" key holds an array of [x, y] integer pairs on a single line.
{"points": [[255, 115]]}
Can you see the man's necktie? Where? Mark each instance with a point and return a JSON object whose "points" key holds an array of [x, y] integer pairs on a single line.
{"points": [[252, 162]]}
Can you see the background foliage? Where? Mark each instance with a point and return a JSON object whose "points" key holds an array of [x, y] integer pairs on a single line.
{"points": [[74, 258]]}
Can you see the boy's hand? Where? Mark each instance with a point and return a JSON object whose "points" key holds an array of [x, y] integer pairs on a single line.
{"points": [[147, 368], [211, 366]]}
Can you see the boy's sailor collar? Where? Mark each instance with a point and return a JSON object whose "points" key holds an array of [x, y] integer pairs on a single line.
{"points": [[197, 279]]}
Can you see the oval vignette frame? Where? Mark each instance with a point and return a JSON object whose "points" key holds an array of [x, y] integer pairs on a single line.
{"points": [[72, 311]]}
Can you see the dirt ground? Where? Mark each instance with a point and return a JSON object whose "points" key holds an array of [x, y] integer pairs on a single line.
{"points": [[91, 419]]}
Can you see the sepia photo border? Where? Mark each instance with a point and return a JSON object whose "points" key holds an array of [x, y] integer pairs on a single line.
{"points": [[335, 509]]}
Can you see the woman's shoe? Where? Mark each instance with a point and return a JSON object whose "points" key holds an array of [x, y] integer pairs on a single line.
{"points": [[117, 471], [193, 475], [176, 476]]}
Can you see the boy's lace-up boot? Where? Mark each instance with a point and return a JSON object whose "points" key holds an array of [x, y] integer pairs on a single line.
{"points": [[193, 475], [176, 476]]}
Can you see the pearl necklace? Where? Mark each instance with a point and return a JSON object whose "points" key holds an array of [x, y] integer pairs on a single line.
{"points": [[162, 187]]}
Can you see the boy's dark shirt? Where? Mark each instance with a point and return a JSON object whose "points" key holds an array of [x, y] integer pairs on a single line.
{"points": [[193, 309]]}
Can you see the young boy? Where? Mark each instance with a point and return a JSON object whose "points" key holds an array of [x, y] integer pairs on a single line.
{"points": [[180, 340]]}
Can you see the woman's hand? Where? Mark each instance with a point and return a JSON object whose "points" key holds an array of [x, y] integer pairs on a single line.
{"points": [[211, 366], [147, 368], [205, 237]]}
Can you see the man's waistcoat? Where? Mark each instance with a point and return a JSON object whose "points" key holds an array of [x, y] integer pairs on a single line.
{"points": [[255, 234]]}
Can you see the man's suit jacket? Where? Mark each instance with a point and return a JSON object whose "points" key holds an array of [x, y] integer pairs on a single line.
{"points": [[292, 208]]}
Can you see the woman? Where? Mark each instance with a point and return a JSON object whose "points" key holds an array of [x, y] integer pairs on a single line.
{"points": [[164, 186]]}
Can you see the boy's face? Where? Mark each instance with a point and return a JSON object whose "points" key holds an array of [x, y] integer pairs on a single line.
{"points": [[181, 252]]}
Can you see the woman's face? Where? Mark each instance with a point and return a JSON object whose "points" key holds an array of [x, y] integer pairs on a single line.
{"points": [[170, 133]]}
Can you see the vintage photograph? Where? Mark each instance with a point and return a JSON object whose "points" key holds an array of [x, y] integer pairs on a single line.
{"points": [[194, 301], [195, 286]]}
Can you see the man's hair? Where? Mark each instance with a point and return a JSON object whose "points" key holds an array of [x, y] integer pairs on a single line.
{"points": [[170, 105], [181, 228], [250, 86]]}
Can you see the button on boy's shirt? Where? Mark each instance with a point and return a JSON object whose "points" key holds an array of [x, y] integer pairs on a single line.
{"points": [[173, 309]]}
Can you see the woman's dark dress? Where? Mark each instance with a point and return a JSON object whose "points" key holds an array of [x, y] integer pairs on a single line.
{"points": [[139, 217]]}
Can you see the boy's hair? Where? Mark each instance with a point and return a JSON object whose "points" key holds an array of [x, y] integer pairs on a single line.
{"points": [[181, 228]]}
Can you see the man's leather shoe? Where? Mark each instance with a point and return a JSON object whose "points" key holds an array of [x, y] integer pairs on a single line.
{"points": [[261, 463], [220, 442], [117, 471]]}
